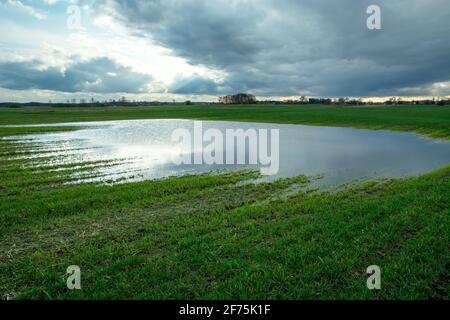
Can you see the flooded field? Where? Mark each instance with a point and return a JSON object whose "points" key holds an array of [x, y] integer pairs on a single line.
{"points": [[143, 149]]}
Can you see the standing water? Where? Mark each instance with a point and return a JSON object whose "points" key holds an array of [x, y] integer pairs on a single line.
{"points": [[143, 149]]}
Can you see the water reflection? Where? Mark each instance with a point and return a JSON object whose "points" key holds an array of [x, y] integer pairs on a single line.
{"points": [[145, 150]]}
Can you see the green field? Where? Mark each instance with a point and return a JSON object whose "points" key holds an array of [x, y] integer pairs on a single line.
{"points": [[212, 237], [433, 121]]}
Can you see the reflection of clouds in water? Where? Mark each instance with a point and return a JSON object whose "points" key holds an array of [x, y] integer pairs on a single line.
{"points": [[146, 155], [146, 150]]}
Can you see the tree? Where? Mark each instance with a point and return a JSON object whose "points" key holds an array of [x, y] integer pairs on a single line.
{"points": [[393, 100], [342, 100]]}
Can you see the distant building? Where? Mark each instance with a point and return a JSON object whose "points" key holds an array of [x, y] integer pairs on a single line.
{"points": [[240, 98]]}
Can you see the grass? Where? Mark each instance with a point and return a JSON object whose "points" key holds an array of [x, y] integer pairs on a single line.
{"points": [[433, 121], [212, 236]]}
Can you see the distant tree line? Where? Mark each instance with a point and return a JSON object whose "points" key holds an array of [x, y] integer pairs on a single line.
{"points": [[232, 99], [358, 102]]}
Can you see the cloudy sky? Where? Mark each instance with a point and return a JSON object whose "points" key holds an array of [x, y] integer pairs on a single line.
{"points": [[200, 49]]}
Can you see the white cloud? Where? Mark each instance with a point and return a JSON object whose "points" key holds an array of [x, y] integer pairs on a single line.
{"points": [[27, 9]]}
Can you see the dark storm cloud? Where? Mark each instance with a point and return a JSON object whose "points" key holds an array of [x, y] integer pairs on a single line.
{"points": [[100, 75], [196, 85], [283, 47]]}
